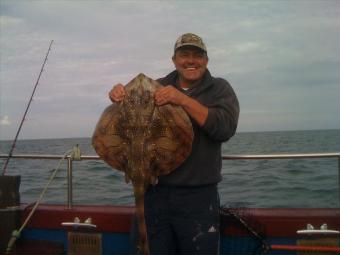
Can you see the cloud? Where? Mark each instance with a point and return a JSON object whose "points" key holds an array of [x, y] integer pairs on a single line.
{"points": [[275, 55], [5, 121]]}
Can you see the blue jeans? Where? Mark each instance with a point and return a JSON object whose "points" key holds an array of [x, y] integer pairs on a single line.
{"points": [[181, 220]]}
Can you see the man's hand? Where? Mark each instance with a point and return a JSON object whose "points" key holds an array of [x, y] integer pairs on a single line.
{"points": [[193, 108], [169, 94], [117, 93]]}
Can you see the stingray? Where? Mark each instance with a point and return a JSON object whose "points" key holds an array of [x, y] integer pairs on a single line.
{"points": [[143, 140]]}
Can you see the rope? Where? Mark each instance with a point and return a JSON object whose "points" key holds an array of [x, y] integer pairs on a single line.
{"points": [[74, 154]]}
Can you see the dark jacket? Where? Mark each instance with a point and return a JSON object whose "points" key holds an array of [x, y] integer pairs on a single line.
{"points": [[204, 164]]}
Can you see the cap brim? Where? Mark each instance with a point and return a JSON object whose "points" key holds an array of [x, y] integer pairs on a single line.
{"points": [[190, 44]]}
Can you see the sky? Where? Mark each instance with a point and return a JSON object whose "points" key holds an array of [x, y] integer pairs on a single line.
{"points": [[281, 57]]}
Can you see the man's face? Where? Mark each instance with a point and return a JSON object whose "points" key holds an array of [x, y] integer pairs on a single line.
{"points": [[191, 63]]}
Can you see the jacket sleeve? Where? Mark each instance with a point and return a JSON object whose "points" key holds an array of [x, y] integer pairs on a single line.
{"points": [[223, 112]]}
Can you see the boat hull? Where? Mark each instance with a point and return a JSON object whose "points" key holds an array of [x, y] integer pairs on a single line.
{"points": [[113, 224]]}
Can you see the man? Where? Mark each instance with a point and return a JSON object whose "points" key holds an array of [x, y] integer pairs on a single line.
{"points": [[182, 210]]}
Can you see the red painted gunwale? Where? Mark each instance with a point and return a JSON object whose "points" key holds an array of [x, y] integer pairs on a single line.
{"points": [[278, 222], [107, 218], [284, 222]]}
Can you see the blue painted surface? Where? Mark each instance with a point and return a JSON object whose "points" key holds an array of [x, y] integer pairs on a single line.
{"points": [[118, 243], [43, 234], [247, 245], [112, 243], [115, 244]]}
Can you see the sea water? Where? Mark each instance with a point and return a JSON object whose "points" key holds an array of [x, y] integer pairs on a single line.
{"points": [[282, 183]]}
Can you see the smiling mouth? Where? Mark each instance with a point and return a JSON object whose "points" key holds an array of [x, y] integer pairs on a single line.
{"points": [[191, 68]]}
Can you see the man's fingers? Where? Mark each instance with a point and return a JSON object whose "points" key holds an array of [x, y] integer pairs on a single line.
{"points": [[117, 93]]}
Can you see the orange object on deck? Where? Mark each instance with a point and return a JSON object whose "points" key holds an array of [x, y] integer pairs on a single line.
{"points": [[305, 248]]}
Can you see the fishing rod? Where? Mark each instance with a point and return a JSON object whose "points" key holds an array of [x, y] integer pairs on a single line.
{"points": [[23, 118]]}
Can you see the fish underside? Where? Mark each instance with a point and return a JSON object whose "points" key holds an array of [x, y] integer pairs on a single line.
{"points": [[143, 140]]}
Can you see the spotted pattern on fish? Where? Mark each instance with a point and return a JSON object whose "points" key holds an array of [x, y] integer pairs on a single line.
{"points": [[143, 140]]}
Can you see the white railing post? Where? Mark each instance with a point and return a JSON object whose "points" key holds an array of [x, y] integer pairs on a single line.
{"points": [[69, 183]]}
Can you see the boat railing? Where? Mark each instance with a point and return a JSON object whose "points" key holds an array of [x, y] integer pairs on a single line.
{"points": [[224, 157]]}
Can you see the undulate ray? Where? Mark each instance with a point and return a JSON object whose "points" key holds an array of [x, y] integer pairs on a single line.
{"points": [[143, 140]]}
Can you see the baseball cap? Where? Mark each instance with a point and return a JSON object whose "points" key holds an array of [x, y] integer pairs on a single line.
{"points": [[191, 40]]}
